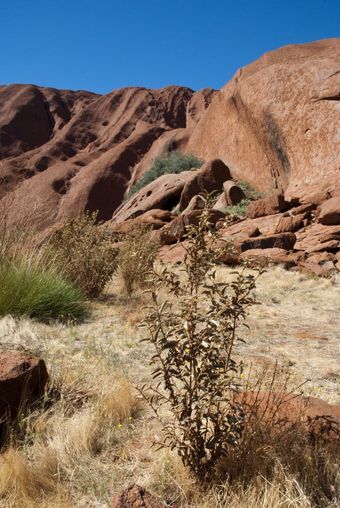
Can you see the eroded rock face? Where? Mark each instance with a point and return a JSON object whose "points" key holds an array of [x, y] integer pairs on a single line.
{"points": [[64, 152], [164, 193], [276, 123]]}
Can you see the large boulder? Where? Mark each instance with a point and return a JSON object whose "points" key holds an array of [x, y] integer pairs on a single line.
{"points": [[329, 212], [136, 497], [275, 256], [275, 124], [267, 206], [322, 264], [209, 178], [177, 229], [321, 419], [22, 381], [234, 194], [163, 193]]}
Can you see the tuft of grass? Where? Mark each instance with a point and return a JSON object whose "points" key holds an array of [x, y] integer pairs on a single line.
{"points": [[38, 292], [249, 191], [175, 162]]}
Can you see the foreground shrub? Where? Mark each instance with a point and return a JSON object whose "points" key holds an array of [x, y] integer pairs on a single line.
{"points": [[27, 288], [136, 257], [193, 361], [85, 252], [175, 162]]}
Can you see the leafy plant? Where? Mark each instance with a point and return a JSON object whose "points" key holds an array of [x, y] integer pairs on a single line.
{"points": [[136, 257], [29, 288], [85, 252], [193, 362], [175, 162]]}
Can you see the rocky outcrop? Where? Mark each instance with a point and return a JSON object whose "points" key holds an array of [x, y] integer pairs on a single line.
{"points": [[76, 151], [275, 124]]}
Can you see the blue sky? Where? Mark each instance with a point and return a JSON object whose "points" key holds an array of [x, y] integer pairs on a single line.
{"points": [[100, 45]]}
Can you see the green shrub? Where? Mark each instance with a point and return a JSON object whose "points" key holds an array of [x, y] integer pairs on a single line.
{"points": [[136, 257], [249, 191], [26, 288], [193, 366], [84, 250], [239, 210], [175, 162]]}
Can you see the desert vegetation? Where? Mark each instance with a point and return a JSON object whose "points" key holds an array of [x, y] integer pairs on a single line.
{"points": [[159, 405], [240, 210], [173, 163]]}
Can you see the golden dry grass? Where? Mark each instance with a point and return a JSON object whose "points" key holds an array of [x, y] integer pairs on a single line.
{"points": [[94, 439]]}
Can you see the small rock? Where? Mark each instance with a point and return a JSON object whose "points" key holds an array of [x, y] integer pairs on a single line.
{"points": [[234, 194], [136, 497], [269, 205]]}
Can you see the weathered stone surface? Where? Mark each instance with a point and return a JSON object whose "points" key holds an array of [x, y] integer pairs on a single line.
{"points": [[196, 203], [304, 209], [329, 212], [319, 263], [75, 151], [283, 109], [172, 253], [163, 193], [155, 219], [317, 238], [284, 241], [321, 420], [22, 380], [240, 230], [208, 178], [291, 223], [136, 497], [176, 230], [233, 193], [272, 256], [267, 206], [221, 203]]}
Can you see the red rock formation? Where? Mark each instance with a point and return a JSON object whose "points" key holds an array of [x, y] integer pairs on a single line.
{"points": [[276, 123], [65, 152]]}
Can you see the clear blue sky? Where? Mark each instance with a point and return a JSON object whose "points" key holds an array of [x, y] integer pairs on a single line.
{"points": [[100, 45]]}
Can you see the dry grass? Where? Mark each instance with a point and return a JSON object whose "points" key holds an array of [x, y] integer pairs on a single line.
{"points": [[93, 440]]}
